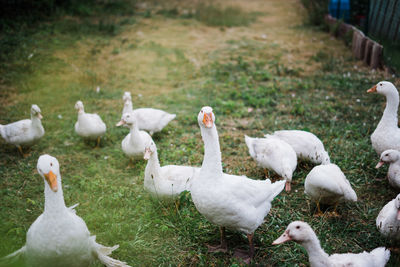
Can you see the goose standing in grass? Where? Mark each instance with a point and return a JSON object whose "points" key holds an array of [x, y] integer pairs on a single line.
{"points": [[134, 143], [24, 132], [234, 202], [392, 157], [388, 220], [148, 119], [302, 233], [307, 145], [59, 237], [327, 184], [274, 154], [387, 133], [167, 181], [89, 125]]}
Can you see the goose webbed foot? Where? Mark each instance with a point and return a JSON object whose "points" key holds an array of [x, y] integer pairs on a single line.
{"points": [[288, 186], [223, 247], [244, 255], [22, 153]]}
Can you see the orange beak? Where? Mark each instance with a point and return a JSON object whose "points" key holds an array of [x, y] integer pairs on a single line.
{"points": [[372, 89], [40, 116], [51, 179], [283, 238], [207, 120]]}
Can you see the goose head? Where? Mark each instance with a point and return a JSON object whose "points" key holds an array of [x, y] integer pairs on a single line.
{"points": [[127, 119], [149, 149], [36, 112], [206, 117], [127, 97], [49, 169], [297, 231], [383, 88], [79, 106], [388, 156]]}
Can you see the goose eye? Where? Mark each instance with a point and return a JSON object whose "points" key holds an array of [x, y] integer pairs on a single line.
{"points": [[380, 84], [201, 111], [298, 227], [51, 164]]}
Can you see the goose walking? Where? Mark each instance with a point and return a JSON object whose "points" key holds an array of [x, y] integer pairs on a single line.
{"points": [[135, 142], [234, 202], [59, 237], [387, 133], [24, 132], [89, 126]]}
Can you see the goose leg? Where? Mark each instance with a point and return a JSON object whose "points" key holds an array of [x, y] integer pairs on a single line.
{"points": [[22, 153], [244, 255], [223, 247], [319, 212], [334, 213], [288, 186], [98, 142]]}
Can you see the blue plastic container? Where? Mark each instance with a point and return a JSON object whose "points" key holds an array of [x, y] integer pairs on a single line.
{"points": [[340, 9]]}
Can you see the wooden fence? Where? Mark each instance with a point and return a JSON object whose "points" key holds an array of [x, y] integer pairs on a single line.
{"points": [[384, 19]]}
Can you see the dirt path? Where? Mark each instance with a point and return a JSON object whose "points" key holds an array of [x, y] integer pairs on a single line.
{"points": [[158, 54]]}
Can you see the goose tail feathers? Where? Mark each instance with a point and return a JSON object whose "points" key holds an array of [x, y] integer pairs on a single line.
{"points": [[381, 256], [249, 143], [13, 257], [102, 253], [350, 195], [277, 187]]}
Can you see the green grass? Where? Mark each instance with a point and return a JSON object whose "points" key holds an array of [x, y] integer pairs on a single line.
{"points": [[253, 91], [210, 14]]}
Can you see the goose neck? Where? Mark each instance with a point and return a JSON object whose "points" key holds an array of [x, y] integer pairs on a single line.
{"points": [[390, 114], [317, 256], [54, 201], [212, 152]]}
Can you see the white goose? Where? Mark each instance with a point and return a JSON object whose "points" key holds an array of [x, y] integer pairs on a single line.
{"points": [[24, 132], [167, 181], [307, 145], [59, 237], [149, 119], [89, 125], [388, 220], [303, 234], [230, 201], [134, 143], [392, 157], [327, 184], [387, 133], [274, 154]]}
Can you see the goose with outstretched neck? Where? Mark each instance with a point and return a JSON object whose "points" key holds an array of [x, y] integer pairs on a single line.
{"points": [[302, 233], [387, 133], [229, 201]]}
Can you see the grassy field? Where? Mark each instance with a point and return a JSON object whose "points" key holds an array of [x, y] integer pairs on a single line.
{"points": [[262, 72]]}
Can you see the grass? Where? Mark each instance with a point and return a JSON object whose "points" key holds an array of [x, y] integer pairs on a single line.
{"points": [[253, 88]]}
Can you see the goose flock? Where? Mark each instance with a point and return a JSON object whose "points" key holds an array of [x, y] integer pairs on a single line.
{"points": [[59, 237]]}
